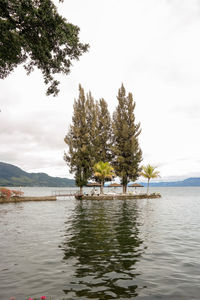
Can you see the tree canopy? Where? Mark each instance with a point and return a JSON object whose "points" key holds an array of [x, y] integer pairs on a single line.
{"points": [[33, 33], [93, 138], [88, 138], [77, 139], [126, 150], [103, 170], [149, 172], [104, 132]]}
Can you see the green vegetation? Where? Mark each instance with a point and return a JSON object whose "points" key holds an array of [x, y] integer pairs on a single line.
{"points": [[33, 33], [149, 172], [126, 150], [88, 138], [104, 132], [93, 137], [80, 153], [103, 171], [13, 176], [91, 129]]}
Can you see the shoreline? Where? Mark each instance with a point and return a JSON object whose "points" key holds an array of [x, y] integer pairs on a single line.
{"points": [[83, 197], [24, 199], [118, 197]]}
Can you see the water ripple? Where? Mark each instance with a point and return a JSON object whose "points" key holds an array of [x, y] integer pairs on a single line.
{"points": [[145, 249]]}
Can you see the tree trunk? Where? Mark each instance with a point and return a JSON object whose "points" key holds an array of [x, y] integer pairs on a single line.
{"points": [[81, 190], [148, 187], [101, 187], [124, 189]]}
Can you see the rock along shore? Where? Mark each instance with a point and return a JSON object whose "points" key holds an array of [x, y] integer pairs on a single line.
{"points": [[117, 197], [22, 199]]}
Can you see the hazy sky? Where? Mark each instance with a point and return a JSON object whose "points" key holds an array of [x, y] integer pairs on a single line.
{"points": [[153, 47]]}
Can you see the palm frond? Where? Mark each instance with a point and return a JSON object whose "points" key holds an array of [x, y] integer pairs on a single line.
{"points": [[149, 172]]}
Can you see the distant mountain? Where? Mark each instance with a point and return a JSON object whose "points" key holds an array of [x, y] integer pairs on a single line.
{"points": [[11, 175], [193, 181]]}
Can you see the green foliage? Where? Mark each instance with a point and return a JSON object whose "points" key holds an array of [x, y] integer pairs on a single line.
{"points": [[103, 170], [89, 136], [79, 156], [104, 132], [127, 153], [92, 131], [149, 172], [93, 138], [32, 32], [11, 175]]}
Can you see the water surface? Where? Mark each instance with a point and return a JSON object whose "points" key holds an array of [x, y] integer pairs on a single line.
{"points": [[69, 249]]}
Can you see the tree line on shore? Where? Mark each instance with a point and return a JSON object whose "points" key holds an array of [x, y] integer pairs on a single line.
{"points": [[96, 136]]}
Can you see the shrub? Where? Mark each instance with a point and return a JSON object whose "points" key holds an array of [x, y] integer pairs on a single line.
{"points": [[17, 193], [5, 193]]}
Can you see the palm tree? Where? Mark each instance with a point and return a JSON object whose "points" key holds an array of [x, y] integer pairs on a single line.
{"points": [[149, 172], [102, 171]]}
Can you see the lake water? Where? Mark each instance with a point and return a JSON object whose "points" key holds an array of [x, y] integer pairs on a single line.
{"points": [[69, 249]]}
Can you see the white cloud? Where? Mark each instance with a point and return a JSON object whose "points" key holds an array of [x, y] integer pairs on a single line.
{"points": [[151, 46]]}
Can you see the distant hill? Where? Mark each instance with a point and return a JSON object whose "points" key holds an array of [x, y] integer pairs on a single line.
{"points": [[11, 175], [193, 181]]}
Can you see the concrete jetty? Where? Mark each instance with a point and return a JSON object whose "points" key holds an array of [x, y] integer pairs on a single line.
{"points": [[23, 199]]}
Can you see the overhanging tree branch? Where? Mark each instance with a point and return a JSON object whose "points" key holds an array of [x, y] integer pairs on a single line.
{"points": [[33, 33]]}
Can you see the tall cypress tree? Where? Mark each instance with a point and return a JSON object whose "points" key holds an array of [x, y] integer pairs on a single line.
{"points": [[91, 119], [126, 150], [78, 157], [104, 133]]}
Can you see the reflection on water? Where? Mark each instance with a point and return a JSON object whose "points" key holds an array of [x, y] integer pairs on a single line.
{"points": [[140, 249], [102, 246]]}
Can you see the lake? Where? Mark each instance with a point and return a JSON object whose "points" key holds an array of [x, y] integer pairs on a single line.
{"points": [[120, 249]]}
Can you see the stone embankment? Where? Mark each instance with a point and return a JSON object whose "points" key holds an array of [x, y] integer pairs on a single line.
{"points": [[22, 199], [117, 196]]}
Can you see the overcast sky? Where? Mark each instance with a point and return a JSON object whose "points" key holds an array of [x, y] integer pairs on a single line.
{"points": [[153, 47]]}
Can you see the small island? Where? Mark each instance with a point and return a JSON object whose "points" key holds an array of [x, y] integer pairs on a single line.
{"points": [[101, 146], [117, 196]]}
